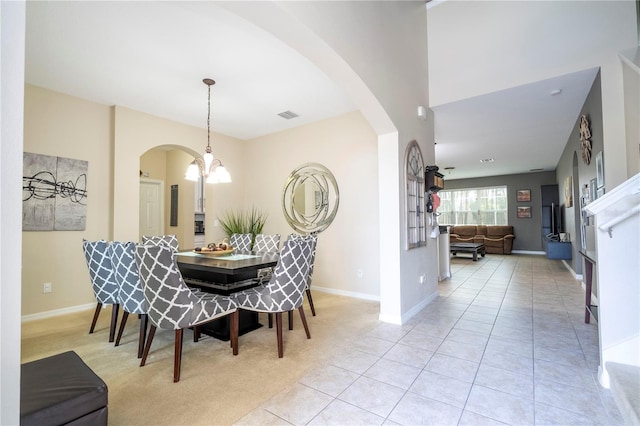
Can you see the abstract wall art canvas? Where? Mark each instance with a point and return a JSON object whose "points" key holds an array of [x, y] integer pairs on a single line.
{"points": [[54, 193]]}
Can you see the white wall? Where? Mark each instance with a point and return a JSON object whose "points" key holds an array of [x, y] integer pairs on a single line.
{"points": [[12, 25], [377, 52]]}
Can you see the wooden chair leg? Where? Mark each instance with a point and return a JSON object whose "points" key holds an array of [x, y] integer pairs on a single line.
{"points": [[96, 314], [313, 310], [279, 333], [304, 321], [152, 332], [290, 315], [144, 320], [114, 321], [177, 356], [270, 315], [196, 334], [235, 326], [123, 322]]}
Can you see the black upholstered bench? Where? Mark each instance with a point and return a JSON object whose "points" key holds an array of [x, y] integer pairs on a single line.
{"points": [[61, 389]]}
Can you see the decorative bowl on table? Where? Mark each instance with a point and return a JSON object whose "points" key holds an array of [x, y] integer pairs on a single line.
{"points": [[214, 249]]}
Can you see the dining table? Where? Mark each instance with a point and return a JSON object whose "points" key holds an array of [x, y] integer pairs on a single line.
{"points": [[225, 274]]}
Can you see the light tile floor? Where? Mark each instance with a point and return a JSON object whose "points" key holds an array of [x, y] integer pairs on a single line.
{"points": [[505, 343]]}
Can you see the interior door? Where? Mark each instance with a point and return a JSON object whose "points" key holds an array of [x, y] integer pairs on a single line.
{"points": [[151, 208]]}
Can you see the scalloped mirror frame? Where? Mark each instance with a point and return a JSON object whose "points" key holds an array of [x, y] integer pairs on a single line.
{"points": [[310, 198]]}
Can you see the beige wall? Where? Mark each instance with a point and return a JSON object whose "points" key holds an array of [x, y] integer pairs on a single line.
{"points": [[347, 146], [64, 126], [61, 125], [153, 164]]}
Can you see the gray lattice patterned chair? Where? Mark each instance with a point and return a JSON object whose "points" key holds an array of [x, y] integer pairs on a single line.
{"points": [[267, 243], [173, 306], [131, 293], [165, 240], [313, 238], [103, 281], [241, 242], [284, 291]]}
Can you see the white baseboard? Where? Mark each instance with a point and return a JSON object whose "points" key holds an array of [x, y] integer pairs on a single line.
{"points": [[353, 294], [413, 311], [540, 253], [399, 320], [57, 312], [570, 269]]}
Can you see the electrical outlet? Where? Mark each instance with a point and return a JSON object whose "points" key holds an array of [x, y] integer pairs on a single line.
{"points": [[359, 273], [422, 278], [216, 223], [47, 288]]}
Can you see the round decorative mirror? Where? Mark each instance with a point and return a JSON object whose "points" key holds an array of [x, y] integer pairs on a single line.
{"points": [[310, 198]]}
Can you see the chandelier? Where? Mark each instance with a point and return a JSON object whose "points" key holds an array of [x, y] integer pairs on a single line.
{"points": [[210, 168]]}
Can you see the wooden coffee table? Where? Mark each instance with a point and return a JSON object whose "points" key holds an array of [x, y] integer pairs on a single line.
{"points": [[474, 248]]}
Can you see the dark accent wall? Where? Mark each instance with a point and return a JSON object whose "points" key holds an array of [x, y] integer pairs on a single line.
{"points": [[581, 172], [528, 232]]}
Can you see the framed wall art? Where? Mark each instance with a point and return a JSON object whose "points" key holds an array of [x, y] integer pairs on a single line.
{"points": [[600, 170], [54, 193], [524, 212], [568, 191], [523, 195]]}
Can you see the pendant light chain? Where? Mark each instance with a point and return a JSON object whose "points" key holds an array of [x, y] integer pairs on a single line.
{"points": [[207, 166], [208, 116]]}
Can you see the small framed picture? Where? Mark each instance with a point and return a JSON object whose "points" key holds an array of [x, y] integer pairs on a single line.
{"points": [[523, 195], [593, 187], [524, 212], [600, 170], [600, 192]]}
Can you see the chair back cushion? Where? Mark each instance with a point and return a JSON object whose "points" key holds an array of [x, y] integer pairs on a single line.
{"points": [[165, 240], [241, 242], [267, 243], [130, 294], [103, 281], [170, 300], [313, 239], [289, 279]]}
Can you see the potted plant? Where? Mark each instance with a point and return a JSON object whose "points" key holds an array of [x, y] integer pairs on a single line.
{"points": [[243, 222]]}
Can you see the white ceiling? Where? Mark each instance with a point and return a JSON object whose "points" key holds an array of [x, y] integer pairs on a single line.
{"points": [[522, 129], [152, 57]]}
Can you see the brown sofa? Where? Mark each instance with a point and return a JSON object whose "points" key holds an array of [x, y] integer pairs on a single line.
{"points": [[497, 239]]}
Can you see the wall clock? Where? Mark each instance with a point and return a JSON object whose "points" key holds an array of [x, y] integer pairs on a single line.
{"points": [[585, 139]]}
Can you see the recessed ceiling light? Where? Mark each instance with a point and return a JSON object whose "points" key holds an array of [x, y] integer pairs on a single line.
{"points": [[556, 92], [487, 160]]}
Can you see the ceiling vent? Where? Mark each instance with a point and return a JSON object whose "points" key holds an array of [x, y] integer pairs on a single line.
{"points": [[288, 115]]}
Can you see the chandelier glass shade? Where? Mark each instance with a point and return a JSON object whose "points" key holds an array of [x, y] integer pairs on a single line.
{"points": [[207, 166]]}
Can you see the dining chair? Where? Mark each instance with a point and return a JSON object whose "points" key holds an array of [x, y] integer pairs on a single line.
{"points": [[267, 243], [103, 281], [313, 238], [284, 291], [173, 306], [166, 240], [131, 293], [241, 242]]}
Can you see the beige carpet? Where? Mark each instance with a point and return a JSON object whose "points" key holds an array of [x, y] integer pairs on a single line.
{"points": [[215, 387]]}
